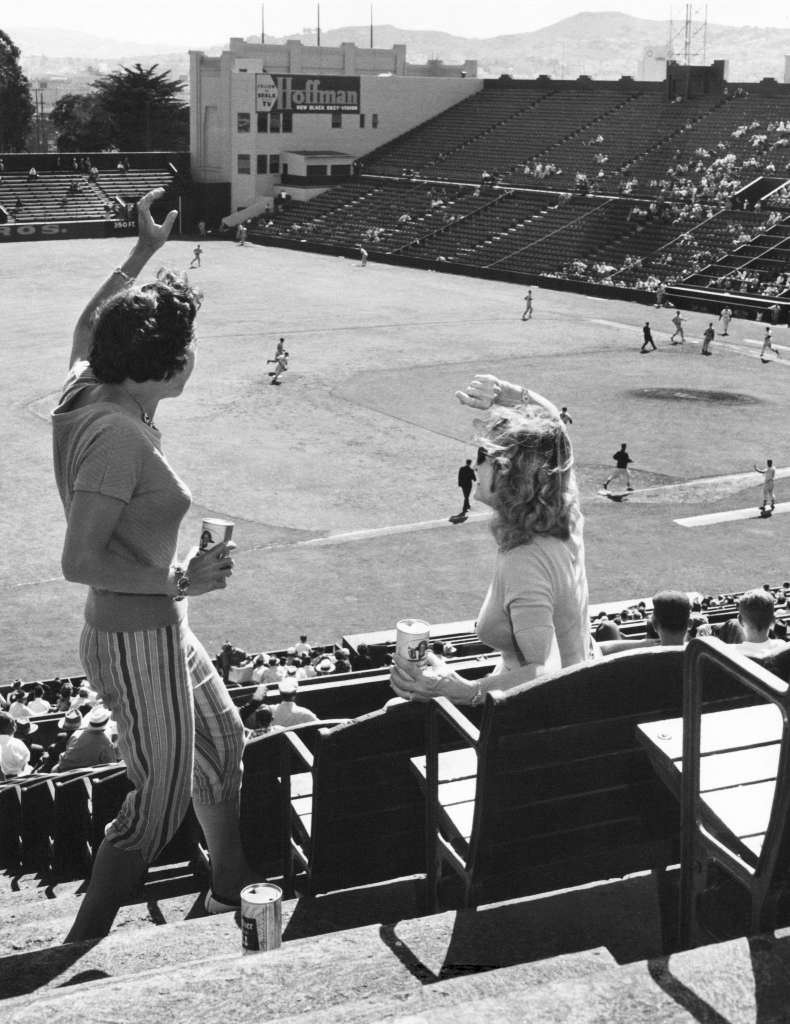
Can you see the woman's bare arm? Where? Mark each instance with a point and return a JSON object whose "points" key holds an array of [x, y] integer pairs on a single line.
{"points": [[88, 559], [151, 236]]}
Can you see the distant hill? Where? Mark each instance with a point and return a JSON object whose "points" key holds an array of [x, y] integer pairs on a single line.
{"points": [[603, 45]]}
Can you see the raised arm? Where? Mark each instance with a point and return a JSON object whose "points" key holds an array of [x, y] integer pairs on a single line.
{"points": [[150, 237], [485, 390]]}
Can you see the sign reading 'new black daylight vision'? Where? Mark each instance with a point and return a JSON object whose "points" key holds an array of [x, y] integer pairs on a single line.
{"points": [[307, 94]]}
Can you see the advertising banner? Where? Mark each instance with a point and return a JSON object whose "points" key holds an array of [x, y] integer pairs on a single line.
{"points": [[307, 94]]}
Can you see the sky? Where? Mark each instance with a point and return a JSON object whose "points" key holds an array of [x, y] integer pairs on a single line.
{"points": [[189, 24]]}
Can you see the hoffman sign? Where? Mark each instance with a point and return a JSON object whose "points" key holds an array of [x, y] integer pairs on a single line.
{"points": [[307, 94]]}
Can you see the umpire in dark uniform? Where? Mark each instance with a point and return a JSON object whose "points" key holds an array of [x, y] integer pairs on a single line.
{"points": [[466, 478]]}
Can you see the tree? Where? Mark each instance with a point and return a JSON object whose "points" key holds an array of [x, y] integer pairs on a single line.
{"points": [[16, 106], [144, 108], [81, 123]]}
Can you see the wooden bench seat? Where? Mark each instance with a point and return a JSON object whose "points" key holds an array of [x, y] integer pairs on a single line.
{"points": [[561, 792]]}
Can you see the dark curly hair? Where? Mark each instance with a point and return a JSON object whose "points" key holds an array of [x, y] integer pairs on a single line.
{"points": [[143, 333]]}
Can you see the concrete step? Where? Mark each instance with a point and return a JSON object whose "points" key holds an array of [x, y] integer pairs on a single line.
{"points": [[367, 968], [377, 960]]}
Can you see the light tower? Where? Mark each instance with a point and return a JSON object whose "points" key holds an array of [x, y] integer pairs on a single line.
{"points": [[688, 38]]}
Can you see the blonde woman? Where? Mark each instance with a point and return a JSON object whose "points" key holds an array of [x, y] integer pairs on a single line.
{"points": [[536, 609]]}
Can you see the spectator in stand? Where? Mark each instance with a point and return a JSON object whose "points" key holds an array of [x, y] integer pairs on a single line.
{"points": [[287, 712], [536, 609], [68, 725], [65, 696], [273, 672], [669, 622], [17, 706], [303, 647], [91, 745], [225, 661], [342, 661], [361, 659], [37, 705], [179, 732], [14, 755], [32, 174], [756, 609], [263, 722], [24, 732]]}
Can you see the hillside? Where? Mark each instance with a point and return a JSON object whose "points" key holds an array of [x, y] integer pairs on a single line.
{"points": [[603, 45]]}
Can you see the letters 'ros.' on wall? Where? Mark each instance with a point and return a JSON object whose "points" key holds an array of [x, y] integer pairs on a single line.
{"points": [[307, 94]]}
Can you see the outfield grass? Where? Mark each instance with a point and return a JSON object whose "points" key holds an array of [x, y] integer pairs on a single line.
{"points": [[365, 434]]}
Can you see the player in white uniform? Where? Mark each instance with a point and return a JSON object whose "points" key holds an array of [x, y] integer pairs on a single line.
{"points": [[767, 345], [769, 475], [678, 321], [725, 316]]}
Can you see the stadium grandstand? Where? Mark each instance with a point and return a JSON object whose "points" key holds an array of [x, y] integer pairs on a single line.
{"points": [[540, 851]]}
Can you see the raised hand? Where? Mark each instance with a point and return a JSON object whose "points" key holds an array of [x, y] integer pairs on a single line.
{"points": [[150, 234]]}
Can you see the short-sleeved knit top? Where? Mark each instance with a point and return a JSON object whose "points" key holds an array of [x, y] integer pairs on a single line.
{"points": [[536, 609], [100, 448]]}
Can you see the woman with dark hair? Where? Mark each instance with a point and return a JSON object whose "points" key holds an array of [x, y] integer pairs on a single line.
{"points": [[178, 730], [536, 609]]}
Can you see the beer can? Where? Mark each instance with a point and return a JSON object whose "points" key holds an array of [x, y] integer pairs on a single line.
{"points": [[261, 917], [213, 532], [412, 638]]}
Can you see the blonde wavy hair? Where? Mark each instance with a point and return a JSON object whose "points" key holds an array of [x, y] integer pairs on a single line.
{"points": [[533, 487]]}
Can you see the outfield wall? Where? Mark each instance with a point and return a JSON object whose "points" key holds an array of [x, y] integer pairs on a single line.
{"points": [[75, 229]]}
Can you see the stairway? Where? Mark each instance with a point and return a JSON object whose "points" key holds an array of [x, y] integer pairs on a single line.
{"points": [[583, 955]]}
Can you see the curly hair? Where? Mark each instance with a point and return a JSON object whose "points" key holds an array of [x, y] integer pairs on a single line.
{"points": [[534, 489], [143, 333]]}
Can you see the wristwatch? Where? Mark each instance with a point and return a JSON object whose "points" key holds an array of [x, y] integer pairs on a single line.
{"points": [[182, 583]]}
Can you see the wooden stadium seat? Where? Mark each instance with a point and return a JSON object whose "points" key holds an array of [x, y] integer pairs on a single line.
{"points": [[360, 819]]}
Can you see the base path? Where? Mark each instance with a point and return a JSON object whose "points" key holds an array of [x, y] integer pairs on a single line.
{"points": [[731, 516]]}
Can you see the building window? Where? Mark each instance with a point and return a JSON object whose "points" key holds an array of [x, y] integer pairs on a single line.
{"points": [[260, 164], [374, 120], [243, 163], [242, 122], [263, 122], [274, 122], [337, 119], [361, 120], [288, 121], [274, 163]]}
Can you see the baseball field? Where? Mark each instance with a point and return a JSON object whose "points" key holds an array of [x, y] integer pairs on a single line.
{"points": [[341, 481]]}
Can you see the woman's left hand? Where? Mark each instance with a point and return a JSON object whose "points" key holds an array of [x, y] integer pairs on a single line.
{"points": [[423, 683], [150, 234]]}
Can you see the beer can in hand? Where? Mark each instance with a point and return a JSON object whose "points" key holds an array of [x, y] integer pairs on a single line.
{"points": [[213, 532], [412, 639], [261, 917]]}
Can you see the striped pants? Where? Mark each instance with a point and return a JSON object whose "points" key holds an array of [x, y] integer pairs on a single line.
{"points": [[178, 730]]}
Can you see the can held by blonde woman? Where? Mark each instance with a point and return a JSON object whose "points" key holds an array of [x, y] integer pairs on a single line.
{"points": [[261, 917], [412, 639]]}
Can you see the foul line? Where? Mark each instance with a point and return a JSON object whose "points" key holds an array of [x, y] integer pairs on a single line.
{"points": [[384, 531], [729, 517]]}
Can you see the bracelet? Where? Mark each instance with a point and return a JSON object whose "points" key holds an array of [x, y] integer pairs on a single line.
{"points": [[478, 696], [124, 275]]}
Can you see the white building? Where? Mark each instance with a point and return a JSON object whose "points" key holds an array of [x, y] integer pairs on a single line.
{"points": [[259, 112]]}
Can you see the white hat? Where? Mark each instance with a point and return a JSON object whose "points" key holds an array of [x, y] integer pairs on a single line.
{"points": [[14, 758], [99, 718]]}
